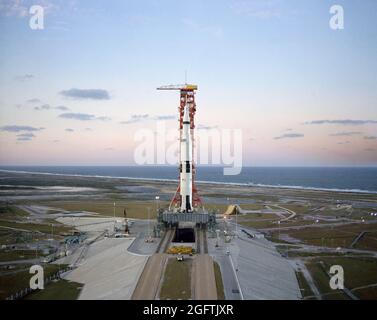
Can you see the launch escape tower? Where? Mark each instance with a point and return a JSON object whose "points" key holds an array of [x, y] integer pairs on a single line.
{"points": [[186, 204]]}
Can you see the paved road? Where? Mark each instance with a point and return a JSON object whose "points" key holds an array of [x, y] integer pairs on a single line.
{"points": [[203, 278], [141, 231], [261, 271], [108, 270], [26, 261], [310, 248], [292, 213], [149, 282], [308, 277], [231, 289], [318, 225]]}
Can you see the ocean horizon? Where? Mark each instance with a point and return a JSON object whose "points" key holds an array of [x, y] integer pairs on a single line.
{"points": [[347, 179]]}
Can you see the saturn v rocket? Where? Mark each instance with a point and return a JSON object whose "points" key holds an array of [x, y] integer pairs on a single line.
{"points": [[185, 179], [186, 198]]}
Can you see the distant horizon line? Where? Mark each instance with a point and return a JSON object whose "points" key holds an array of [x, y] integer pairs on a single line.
{"points": [[198, 166]]}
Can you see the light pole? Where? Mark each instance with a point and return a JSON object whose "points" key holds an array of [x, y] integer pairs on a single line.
{"points": [[279, 230], [149, 210], [157, 203], [36, 247], [114, 218], [235, 208], [217, 237]]}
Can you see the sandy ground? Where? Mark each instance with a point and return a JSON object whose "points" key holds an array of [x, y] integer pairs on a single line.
{"points": [[108, 270]]}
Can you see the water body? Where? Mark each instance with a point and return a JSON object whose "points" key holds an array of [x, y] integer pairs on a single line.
{"points": [[354, 179]]}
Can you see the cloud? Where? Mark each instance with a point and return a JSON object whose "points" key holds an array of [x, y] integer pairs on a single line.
{"points": [[168, 117], [206, 127], [24, 77], [342, 122], [55, 141], [144, 117], [370, 137], [13, 8], [136, 118], [25, 136], [34, 100], [69, 130], [289, 135], [20, 8], [16, 128], [103, 118], [214, 31], [262, 9], [48, 107], [345, 142], [24, 139], [61, 108], [94, 94], [43, 107], [77, 116], [82, 117], [345, 134], [369, 150]]}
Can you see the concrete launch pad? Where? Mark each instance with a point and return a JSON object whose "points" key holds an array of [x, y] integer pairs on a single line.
{"points": [[201, 218]]}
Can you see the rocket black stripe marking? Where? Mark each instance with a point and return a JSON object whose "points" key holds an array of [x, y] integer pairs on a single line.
{"points": [[188, 207]]}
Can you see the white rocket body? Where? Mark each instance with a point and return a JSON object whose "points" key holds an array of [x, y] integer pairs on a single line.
{"points": [[186, 163]]}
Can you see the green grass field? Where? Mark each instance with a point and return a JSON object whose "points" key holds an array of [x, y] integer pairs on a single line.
{"points": [[358, 272], [36, 227], [11, 212], [57, 290], [134, 209], [306, 291], [337, 236], [321, 280], [298, 208], [177, 280], [219, 282], [10, 255], [15, 280]]}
